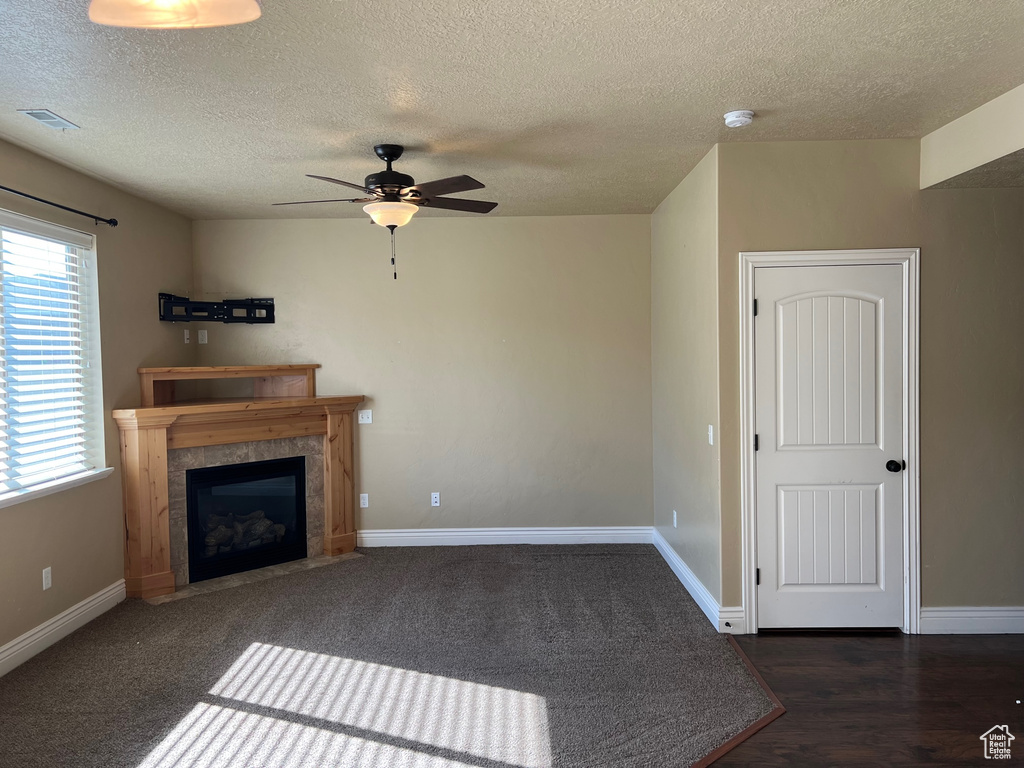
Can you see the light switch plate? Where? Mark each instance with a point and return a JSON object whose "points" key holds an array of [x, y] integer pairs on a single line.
{"points": [[365, 417], [711, 435], [364, 500], [202, 337]]}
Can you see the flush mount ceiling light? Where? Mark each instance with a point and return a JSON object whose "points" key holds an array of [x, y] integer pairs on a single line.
{"points": [[173, 14], [739, 118]]}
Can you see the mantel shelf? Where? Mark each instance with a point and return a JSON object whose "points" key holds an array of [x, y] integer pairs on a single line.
{"points": [[219, 371], [156, 385]]}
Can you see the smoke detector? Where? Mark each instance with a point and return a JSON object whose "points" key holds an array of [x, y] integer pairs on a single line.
{"points": [[46, 117], [739, 118]]}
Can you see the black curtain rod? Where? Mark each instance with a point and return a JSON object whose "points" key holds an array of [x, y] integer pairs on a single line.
{"points": [[97, 219]]}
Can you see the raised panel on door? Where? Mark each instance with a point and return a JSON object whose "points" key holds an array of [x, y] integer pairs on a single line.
{"points": [[829, 537], [827, 350]]}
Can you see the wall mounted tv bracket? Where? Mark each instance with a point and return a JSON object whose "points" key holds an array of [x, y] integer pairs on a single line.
{"points": [[181, 309]]}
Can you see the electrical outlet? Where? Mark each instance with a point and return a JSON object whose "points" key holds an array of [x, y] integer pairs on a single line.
{"points": [[365, 417], [187, 339], [364, 500], [202, 337], [711, 435], [47, 578], [675, 519], [435, 499]]}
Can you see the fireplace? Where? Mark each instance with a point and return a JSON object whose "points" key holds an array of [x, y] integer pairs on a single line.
{"points": [[245, 516]]}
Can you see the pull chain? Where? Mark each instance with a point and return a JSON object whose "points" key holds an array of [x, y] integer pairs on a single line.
{"points": [[393, 267]]}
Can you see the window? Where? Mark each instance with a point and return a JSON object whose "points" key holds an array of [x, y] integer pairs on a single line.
{"points": [[51, 405]]}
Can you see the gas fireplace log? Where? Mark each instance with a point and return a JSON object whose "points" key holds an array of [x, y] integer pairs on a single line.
{"points": [[213, 522], [249, 533], [235, 532], [259, 528], [216, 539]]}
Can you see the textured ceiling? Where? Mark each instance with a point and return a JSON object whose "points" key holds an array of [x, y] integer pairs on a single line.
{"points": [[1006, 171], [576, 106]]}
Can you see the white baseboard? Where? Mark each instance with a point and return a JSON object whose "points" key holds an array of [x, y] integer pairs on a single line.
{"points": [[23, 648], [456, 537], [728, 620], [972, 620]]}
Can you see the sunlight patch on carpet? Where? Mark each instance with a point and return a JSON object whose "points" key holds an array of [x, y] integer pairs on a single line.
{"points": [[219, 737], [290, 708]]}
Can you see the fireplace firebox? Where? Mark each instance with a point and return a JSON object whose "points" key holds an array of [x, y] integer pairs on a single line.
{"points": [[245, 516]]}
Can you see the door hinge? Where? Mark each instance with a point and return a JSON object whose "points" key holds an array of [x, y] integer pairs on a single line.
{"points": [[755, 307], [759, 577], [756, 441]]}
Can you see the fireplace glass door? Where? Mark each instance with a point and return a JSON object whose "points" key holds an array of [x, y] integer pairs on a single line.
{"points": [[245, 516]]}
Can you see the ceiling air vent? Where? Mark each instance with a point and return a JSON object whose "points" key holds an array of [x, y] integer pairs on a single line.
{"points": [[46, 117]]}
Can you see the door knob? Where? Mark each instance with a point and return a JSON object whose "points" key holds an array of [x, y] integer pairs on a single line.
{"points": [[895, 466]]}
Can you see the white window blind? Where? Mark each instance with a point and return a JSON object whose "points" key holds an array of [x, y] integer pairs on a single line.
{"points": [[51, 425]]}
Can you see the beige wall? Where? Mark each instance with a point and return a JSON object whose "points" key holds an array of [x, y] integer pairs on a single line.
{"points": [[830, 195], [79, 532], [797, 196], [972, 397], [508, 367], [684, 358]]}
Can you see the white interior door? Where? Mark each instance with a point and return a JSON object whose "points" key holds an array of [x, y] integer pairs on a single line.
{"points": [[829, 345]]}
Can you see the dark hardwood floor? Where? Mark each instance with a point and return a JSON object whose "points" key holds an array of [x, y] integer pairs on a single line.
{"points": [[893, 700]]}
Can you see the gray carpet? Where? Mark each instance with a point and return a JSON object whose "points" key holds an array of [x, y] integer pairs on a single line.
{"points": [[497, 657]]}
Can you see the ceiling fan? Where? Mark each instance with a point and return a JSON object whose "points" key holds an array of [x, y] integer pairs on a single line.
{"points": [[393, 197]]}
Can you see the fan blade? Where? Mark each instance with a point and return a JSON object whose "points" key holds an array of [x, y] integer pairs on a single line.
{"points": [[447, 186], [349, 184], [455, 204], [349, 200]]}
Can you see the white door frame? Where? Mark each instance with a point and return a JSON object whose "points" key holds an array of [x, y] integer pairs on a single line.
{"points": [[909, 260]]}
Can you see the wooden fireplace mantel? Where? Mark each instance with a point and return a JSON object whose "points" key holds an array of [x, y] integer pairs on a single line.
{"points": [[156, 385], [148, 433]]}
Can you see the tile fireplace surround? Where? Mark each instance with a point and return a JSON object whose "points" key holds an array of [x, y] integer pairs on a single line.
{"points": [[180, 460]]}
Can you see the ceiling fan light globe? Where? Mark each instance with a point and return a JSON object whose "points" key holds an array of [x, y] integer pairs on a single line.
{"points": [[173, 14], [388, 214]]}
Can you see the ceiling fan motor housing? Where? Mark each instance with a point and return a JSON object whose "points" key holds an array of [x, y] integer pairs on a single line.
{"points": [[389, 182]]}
